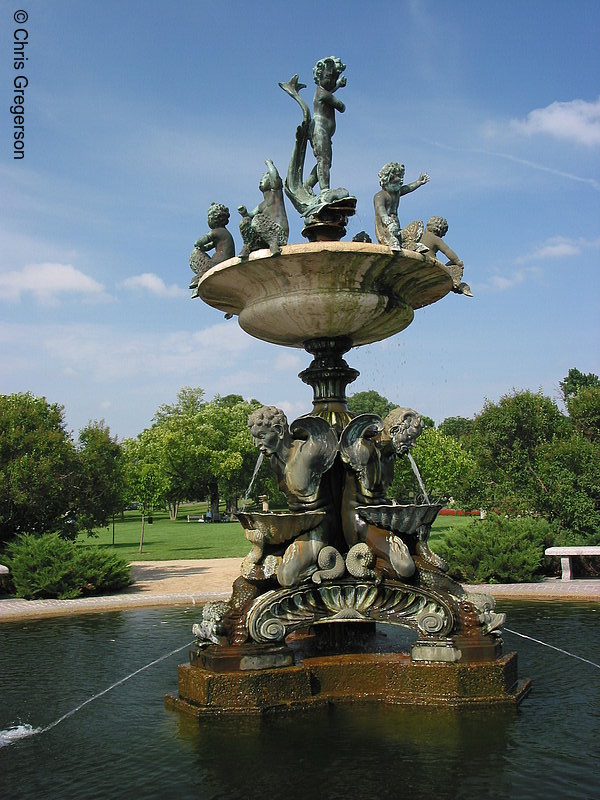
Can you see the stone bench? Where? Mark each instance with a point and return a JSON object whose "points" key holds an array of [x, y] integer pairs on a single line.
{"points": [[566, 553], [3, 576], [196, 517]]}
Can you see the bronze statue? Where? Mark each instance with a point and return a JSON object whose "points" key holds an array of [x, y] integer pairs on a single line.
{"points": [[218, 239], [403, 426], [387, 225], [328, 76], [328, 211], [300, 456], [436, 228], [267, 225], [369, 456]]}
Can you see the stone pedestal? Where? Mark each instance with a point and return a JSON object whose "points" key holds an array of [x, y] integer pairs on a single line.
{"points": [[223, 658], [366, 677]]}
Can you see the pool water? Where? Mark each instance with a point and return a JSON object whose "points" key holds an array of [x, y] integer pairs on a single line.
{"points": [[125, 744]]}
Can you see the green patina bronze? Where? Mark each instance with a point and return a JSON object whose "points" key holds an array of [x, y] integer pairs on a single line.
{"points": [[343, 557]]}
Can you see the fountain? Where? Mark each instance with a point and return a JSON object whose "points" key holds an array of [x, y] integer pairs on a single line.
{"points": [[300, 628]]}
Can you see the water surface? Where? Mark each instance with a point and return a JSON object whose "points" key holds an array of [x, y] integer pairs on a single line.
{"points": [[126, 744]]}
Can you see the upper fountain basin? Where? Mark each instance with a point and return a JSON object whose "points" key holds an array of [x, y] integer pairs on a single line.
{"points": [[366, 292]]}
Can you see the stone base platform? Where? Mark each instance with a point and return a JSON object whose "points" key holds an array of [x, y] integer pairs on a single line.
{"points": [[365, 677]]}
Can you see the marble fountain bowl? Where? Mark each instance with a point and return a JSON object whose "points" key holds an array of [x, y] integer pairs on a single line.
{"points": [[366, 292]]}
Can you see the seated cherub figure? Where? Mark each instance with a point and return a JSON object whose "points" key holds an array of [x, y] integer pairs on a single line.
{"points": [[387, 226], [267, 225], [436, 228], [218, 239]]}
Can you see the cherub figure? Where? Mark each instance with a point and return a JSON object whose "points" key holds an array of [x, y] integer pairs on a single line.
{"points": [[267, 225], [328, 76], [368, 454], [387, 225], [218, 238], [436, 228], [300, 455]]}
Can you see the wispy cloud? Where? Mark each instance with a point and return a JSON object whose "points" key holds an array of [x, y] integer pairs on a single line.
{"points": [[560, 247], [47, 282], [508, 280], [154, 284], [524, 161], [575, 121]]}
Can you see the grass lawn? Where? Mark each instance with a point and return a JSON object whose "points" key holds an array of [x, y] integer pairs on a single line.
{"points": [[166, 541]]}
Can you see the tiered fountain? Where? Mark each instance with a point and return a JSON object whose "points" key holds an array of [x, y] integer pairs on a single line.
{"points": [[301, 627]]}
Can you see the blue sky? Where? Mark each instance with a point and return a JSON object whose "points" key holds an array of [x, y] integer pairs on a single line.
{"points": [[139, 114]]}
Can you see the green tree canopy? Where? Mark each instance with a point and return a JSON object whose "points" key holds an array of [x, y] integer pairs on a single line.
{"points": [[370, 402], [575, 381], [445, 467], [505, 442], [584, 410], [198, 448], [38, 468], [568, 490], [459, 428], [101, 477], [189, 401], [144, 479]]}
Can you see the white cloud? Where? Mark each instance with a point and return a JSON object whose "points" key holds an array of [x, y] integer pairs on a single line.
{"points": [[153, 284], [102, 354], [47, 281], [560, 247], [500, 283], [576, 121]]}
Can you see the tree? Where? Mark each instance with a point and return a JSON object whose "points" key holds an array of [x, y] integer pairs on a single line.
{"points": [[101, 479], [445, 467], [189, 402], [505, 442], [370, 402], [459, 428], [179, 453], [230, 452], [584, 411], [143, 477], [575, 381], [569, 485], [38, 468]]}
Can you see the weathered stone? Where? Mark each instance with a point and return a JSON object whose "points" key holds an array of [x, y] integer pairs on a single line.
{"points": [[362, 291]]}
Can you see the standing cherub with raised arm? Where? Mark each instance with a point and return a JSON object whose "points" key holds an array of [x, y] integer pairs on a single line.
{"points": [[387, 225], [328, 77]]}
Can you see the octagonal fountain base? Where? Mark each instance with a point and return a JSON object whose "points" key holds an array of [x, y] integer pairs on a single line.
{"points": [[348, 678]]}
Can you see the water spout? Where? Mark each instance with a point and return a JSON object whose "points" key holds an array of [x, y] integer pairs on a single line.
{"points": [[415, 469], [259, 461], [17, 732]]}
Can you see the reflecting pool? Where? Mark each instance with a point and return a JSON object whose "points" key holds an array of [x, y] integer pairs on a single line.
{"points": [[125, 744]]}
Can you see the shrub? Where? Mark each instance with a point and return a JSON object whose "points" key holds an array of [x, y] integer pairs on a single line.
{"points": [[498, 550], [50, 567]]}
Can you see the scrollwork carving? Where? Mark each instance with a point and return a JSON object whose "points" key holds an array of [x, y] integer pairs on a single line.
{"points": [[275, 614]]}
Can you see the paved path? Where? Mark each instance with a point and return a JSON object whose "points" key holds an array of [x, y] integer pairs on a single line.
{"points": [[170, 583]]}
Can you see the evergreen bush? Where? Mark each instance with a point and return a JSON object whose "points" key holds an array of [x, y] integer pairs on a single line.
{"points": [[498, 550], [50, 567]]}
